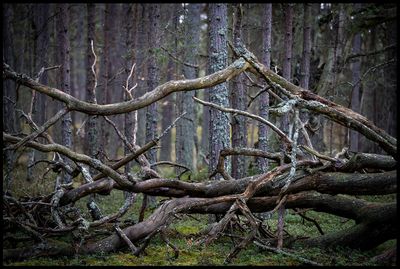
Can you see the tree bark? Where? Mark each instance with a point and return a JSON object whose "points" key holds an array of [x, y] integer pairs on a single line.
{"points": [[186, 128], [92, 130], [219, 122], [287, 63], [355, 94], [306, 58], [65, 85], [9, 93], [153, 80], [262, 163], [237, 93]]}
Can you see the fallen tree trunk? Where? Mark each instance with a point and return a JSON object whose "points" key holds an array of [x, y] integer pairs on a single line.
{"points": [[376, 222]]}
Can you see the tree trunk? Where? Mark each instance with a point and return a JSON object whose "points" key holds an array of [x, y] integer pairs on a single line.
{"points": [[9, 93], [168, 105], [305, 59], [238, 97], [141, 67], [153, 80], [65, 85], [185, 128], [356, 76], [92, 124], [287, 62], [218, 53], [130, 47], [262, 163]]}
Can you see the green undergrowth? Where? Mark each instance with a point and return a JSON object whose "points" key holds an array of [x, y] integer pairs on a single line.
{"points": [[185, 231]]}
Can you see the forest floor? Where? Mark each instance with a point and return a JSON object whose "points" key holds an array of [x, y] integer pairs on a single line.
{"points": [[185, 231]]}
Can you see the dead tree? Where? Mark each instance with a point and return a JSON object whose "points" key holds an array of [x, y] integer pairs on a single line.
{"points": [[301, 178]]}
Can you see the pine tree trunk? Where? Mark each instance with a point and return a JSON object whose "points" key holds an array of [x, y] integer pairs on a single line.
{"points": [[305, 60], [130, 118], [9, 93], [141, 66], [92, 124], [263, 107], [287, 63], [355, 95], [218, 53], [185, 128], [153, 80], [238, 98], [65, 85], [168, 104]]}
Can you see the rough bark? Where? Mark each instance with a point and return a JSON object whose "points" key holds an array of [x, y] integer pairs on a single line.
{"points": [[141, 65], [264, 97], [92, 124], [218, 53], [306, 58], [185, 129], [9, 93], [65, 81], [238, 100], [130, 119], [356, 85], [287, 62], [153, 79]]}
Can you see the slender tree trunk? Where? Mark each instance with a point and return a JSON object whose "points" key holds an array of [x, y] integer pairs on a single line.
{"points": [[185, 128], [238, 97], [263, 107], [391, 80], [219, 136], [130, 46], [9, 93], [355, 95], [287, 63], [40, 46], [218, 53], [305, 59], [141, 66], [41, 15], [64, 50], [92, 125], [168, 104], [153, 80], [368, 98], [105, 76]]}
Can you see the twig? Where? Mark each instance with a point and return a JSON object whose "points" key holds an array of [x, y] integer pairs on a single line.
{"points": [[244, 113], [174, 248], [82, 125], [319, 155], [125, 238], [280, 251], [178, 60], [124, 208], [170, 163], [123, 138], [94, 72], [310, 220], [40, 130]]}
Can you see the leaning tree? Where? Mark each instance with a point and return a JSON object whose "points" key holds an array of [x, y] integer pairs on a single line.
{"points": [[299, 177]]}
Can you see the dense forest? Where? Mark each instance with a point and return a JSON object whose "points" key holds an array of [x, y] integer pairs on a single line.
{"points": [[142, 129]]}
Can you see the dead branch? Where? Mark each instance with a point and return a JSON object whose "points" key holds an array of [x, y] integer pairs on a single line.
{"points": [[281, 134], [311, 101], [158, 93]]}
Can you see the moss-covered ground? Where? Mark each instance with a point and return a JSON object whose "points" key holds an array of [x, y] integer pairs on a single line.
{"points": [[184, 232]]}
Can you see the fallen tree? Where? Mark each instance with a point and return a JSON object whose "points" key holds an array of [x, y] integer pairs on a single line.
{"points": [[302, 178]]}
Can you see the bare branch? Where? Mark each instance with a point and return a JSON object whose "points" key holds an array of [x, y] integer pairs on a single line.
{"points": [[41, 129], [247, 114]]}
